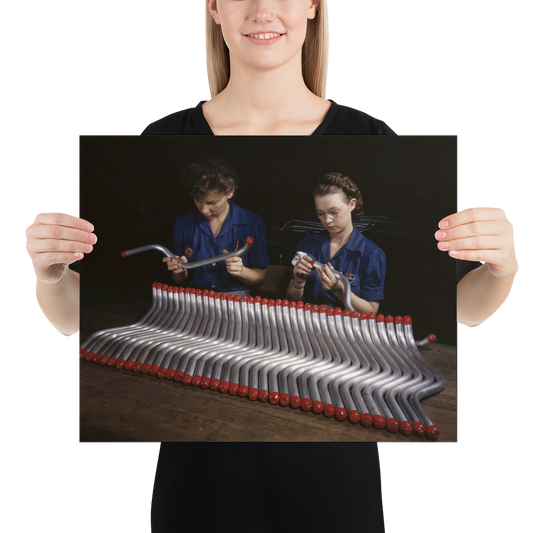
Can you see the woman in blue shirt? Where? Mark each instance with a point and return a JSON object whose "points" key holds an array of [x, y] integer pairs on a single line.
{"points": [[217, 226], [345, 249]]}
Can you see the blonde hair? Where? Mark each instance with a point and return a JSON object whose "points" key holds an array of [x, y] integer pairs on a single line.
{"points": [[314, 53]]}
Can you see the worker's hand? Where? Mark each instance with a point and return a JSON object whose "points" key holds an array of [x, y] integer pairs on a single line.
{"points": [[480, 234], [328, 280], [54, 241], [234, 265], [302, 270], [175, 266]]}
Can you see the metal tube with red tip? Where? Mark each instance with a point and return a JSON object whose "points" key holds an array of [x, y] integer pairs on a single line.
{"points": [[418, 428], [192, 264], [336, 329], [240, 366], [276, 378], [320, 360], [156, 304], [233, 365], [431, 431], [355, 404], [288, 378], [345, 282], [391, 390], [153, 342], [212, 369], [235, 337]]}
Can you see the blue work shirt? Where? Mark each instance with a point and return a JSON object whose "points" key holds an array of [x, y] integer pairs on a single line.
{"points": [[359, 259], [194, 239]]}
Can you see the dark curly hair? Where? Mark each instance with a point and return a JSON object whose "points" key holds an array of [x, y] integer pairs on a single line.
{"points": [[211, 174], [333, 182]]}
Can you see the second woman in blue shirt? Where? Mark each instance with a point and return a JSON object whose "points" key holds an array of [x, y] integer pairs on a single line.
{"points": [[344, 249]]}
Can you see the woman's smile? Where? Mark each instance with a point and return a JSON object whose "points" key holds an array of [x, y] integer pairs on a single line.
{"points": [[264, 38]]}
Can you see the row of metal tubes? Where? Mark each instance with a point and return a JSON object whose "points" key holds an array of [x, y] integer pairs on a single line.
{"points": [[323, 352], [90, 342]]}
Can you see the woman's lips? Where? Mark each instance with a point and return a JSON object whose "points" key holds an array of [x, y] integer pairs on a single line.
{"points": [[263, 38]]}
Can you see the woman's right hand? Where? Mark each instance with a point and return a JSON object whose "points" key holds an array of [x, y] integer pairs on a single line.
{"points": [[54, 241], [175, 266], [303, 269]]}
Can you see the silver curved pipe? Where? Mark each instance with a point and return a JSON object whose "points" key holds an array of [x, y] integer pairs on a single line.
{"points": [[432, 432], [345, 282], [192, 264], [90, 342]]}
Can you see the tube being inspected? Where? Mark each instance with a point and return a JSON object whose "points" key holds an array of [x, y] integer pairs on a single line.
{"points": [[192, 264]]}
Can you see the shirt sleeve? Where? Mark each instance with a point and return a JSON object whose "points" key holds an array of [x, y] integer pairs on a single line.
{"points": [[373, 279]]}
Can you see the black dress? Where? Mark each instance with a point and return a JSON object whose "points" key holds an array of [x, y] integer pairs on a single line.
{"points": [[267, 487]]}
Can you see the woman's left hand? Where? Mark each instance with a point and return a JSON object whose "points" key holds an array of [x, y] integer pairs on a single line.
{"points": [[327, 279], [480, 234], [234, 265]]}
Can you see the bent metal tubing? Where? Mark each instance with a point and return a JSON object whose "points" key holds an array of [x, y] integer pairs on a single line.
{"points": [[345, 282], [192, 264], [333, 362]]}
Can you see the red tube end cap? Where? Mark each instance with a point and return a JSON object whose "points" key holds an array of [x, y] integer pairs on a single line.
{"points": [[196, 380], [406, 428], [104, 359], [171, 374], [380, 318], [273, 397], [137, 367], [407, 321], [187, 379], [296, 402], [249, 240], [263, 395], [153, 370], [300, 305], [97, 357], [432, 337], [179, 376], [215, 384], [392, 425], [330, 311], [162, 373], [389, 319], [366, 420], [224, 386], [124, 254], [354, 416], [112, 362], [363, 316], [120, 363], [233, 389], [318, 407], [341, 414], [338, 311], [146, 368], [329, 410], [346, 312], [372, 316], [129, 365], [205, 383], [322, 309], [354, 314], [284, 399], [418, 429], [398, 320], [307, 404], [379, 422], [432, 433], [89, 356], [253, 393], [243, 391]]}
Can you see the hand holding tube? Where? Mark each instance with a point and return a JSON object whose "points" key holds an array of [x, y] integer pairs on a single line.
{"points": [[302, 270], [175, 266]]}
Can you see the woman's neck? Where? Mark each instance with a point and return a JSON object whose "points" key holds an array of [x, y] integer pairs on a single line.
{"points": [[338, 240], [273, 102]]}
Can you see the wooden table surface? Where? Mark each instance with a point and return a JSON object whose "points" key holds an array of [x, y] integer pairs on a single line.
{"points": [[119, 405]]}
